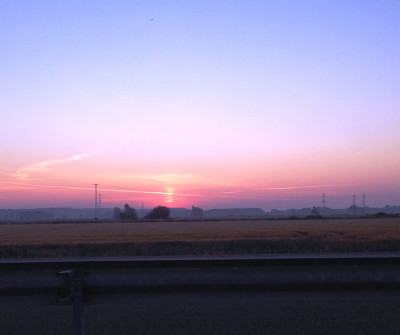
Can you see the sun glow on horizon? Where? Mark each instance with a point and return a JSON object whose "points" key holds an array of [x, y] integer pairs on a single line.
{"points": [[170, 194]]}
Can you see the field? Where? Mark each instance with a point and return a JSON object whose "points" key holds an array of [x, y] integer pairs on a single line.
{"points": [[201, 237], [201, 231]]}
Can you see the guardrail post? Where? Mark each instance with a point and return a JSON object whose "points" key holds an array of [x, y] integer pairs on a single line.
{"points": [[73, 292]]}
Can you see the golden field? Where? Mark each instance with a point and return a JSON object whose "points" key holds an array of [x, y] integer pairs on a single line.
{"points": [[361, 230]]}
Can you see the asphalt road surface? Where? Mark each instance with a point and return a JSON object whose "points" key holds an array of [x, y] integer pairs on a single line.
{"points": [[355, 312]]}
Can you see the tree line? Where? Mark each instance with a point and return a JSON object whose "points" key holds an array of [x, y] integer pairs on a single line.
{"points": [[129, 213]]}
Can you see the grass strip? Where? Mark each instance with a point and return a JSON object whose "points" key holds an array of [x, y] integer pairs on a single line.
{"points": [[234, 247]]}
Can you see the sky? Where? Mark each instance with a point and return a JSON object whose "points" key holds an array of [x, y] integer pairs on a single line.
{"points": [[216, 104]]}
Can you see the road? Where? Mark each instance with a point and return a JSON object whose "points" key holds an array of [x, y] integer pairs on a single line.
{"points": [[291, 294], [359, 312]]}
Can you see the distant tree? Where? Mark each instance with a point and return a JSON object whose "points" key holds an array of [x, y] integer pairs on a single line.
{"points": [[380, 214], [159, 212], [128, 213], [197, 212], [116, 213], [314, 211]]}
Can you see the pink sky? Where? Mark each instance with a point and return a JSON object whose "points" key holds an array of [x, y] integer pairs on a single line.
{"points": [[69, 181]]}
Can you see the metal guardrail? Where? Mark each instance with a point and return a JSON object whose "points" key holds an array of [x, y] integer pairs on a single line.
{"points": [[79, 281]]}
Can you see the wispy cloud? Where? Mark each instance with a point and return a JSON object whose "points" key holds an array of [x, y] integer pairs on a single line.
{"points": [[283, 188], [262, 192], [167, 193], [133, 191], [24, 172], [168, 178]]}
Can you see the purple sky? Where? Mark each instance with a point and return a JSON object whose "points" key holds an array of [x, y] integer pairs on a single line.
{"points": [[214, 103]]}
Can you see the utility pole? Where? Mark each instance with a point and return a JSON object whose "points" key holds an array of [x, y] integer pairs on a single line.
{"points": [[323, 200], [95, 201], [354, 204], [100, 207]]}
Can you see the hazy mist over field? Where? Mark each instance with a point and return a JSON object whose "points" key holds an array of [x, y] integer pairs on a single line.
{"points": [[217, 104]]}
